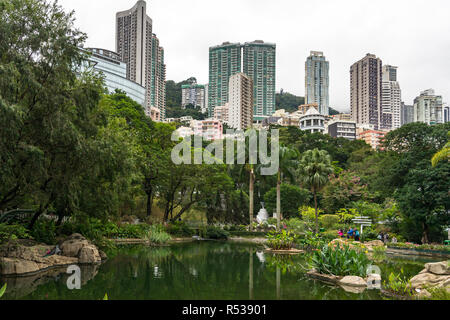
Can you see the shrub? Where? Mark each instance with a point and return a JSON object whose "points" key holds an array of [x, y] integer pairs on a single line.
{"points": [[13, 232], [296, 225], [216, 233], [44, 231], [329, 235], [157, 235], [281, 240], [311, 241], [329, 220], [180, 229], [340, 261]]}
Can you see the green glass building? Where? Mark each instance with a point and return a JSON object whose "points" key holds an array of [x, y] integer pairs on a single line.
{"points": [[224, 61], [260, 65], [257, 60]]}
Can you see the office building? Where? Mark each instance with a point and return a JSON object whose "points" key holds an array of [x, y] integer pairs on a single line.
{"points": [[391, 98], [193, 94], [139, 48], [114, 70], [342, 129], [428, 108], [317, 81], [407, 114], [365, 91], [224, 61], [240, 113]]}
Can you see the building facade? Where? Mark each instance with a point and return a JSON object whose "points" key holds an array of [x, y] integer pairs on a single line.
{"points": [[193, 94], [221, 113], [139, 48], [365, 91], [407, 114], [260, 65], [257, 60], [374, 138], [115, 74], [342, 129], [224, 61], [240, 113], [209, 129], [446, 113], [313, 121], [428, 108], [317, 81], [391, 98]]}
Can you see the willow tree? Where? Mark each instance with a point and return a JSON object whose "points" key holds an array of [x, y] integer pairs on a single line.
{"points": [[315, 167]]}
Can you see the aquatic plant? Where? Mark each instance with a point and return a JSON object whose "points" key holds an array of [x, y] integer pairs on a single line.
{"points": [[283, 240], [3, 290], [399, 285], [157, 235], [340, 261]]}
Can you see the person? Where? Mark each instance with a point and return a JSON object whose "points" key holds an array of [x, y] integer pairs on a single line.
{"points": [[357, 235], [350, 234], [341, 233], [380, 236], [394, 240], [386, 238]]}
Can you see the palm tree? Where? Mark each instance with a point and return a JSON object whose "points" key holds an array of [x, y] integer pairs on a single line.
{"points": [[443, 154], [315, 167], [287, 164]]}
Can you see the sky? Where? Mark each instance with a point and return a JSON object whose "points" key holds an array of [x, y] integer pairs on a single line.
{"points": [[413, 35]]}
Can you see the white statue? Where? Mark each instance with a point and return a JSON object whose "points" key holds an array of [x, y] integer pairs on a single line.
{"points": [[263, 215]]}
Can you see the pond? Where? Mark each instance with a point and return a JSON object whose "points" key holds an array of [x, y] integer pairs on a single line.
{"points": [[196, 271]]}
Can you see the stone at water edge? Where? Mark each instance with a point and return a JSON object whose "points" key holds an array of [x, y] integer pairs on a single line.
{"points": [[353, 281], [427, 279], [72, 247], [89, 254], [357, 290], [439, 268]]}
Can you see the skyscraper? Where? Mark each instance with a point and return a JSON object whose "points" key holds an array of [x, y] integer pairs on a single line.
{"points": [[391, 97], [259, 63], [224, 61], [260, 66], [317, 81], [240, 112], [139, 49], [193, 94], [428, 108], [365, 91], [407, 114], [446, 113]]}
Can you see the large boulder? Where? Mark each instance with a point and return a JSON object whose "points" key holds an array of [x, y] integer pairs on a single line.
{"points": [[353, 281], [89, 254], [12, 266], [427, 279], [439, 268], [72, 247]]}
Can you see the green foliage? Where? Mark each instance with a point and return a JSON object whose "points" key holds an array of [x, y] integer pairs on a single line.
{"points": [[44, 231], [292, 198], [157, 235], [295, 225], [3, 290], [398, 284], [288, 102], [432, 247], [340, 261], [441, 294], [180, 229], [216, 233], [346, 215], [13, 232], [329, 220], [283, 240], [311, 241]]}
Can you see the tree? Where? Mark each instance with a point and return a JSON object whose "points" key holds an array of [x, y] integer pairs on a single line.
{"points": [[315, 168], [292, 198], [342, 190], [443, 154], [425, 203], [287, 163]]}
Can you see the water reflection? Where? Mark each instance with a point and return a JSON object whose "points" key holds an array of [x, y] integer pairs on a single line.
{"points": [[196, 271]]}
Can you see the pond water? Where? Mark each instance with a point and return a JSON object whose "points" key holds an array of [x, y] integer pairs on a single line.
{"points": [[196, 271]]}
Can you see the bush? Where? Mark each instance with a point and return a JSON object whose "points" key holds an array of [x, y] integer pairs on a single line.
{"points": [[216, 233], [292, 198], [340, 261], [329, 235], [157, 235], [13, 232], [281, 241], [329, 220], [44, 231], [180, 229], [295, 225], [311, 241]]}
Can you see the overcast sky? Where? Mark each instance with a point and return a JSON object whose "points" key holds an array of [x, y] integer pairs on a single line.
{"points": [[411, 34]]}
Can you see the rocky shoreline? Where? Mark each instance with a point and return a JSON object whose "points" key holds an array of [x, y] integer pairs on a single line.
{"points": [[18, 259]]}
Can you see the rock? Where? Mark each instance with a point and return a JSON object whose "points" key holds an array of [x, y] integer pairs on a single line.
{"points": [[423, 293], [89, 254], [350, 289], [324, 277], [428, 279], [375, 243], [353, 281], [72, 247], [12, 266], [103, 255], [439, 268]]}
